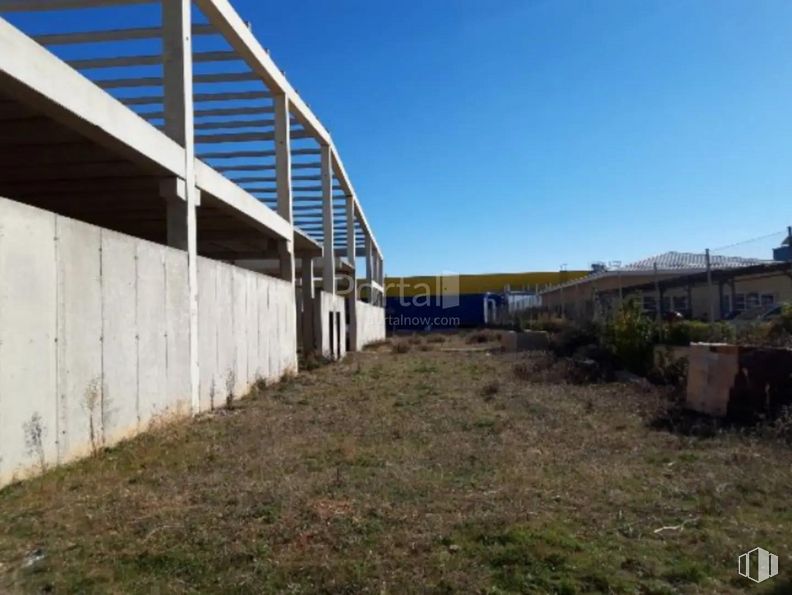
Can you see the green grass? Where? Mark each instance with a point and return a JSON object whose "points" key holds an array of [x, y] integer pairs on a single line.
{"points": [[397, 473]]}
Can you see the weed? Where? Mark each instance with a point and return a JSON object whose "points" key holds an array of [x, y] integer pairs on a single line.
{"points": [[34, 439], [92, 400], [230, 383]]}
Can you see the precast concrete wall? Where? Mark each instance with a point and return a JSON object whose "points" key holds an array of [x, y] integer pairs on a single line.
{"points": [[247, 331], [333, 328], [94, 336], [370, 324]]}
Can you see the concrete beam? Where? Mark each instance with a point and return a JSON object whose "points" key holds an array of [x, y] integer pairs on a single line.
{"points": [[75, 101], [240, 203], [43, 5]]}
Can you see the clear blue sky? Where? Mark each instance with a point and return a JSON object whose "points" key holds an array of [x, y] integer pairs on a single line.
{"points": [[514, 135]]}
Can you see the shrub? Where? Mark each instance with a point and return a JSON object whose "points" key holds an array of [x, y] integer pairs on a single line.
{"points": [[754, 334], [630, 336], [483, 337], [550, 325], [436, 339], [779, 332], [573, 337], [685, 332]]}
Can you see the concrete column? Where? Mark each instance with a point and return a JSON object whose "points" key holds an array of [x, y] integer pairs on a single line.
{"points": [[370, 270], [328, 269], [381, 280], [180, 126], [351, 257], [308, 299], [283, 182]]}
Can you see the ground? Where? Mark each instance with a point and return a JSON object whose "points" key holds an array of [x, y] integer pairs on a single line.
{"points": [[435, 470]]}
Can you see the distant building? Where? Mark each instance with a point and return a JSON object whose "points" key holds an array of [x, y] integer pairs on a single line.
{"points": [[601, 290], [453, 301]]}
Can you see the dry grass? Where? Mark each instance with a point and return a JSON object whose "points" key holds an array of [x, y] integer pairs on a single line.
{"points": [[391, 474], [401, 346]]}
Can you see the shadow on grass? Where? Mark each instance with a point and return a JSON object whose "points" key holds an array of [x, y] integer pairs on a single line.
{"points": [[677, 420]]}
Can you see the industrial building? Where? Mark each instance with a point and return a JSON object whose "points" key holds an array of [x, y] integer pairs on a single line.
{"points": [[676, 282], [175, 224], [450, 300]]}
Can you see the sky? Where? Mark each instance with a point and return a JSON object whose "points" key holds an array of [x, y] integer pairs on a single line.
{"points": [[520, 135]]}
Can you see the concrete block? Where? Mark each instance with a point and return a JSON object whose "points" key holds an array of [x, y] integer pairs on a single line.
{"points": [[79, 259], [712, 370], [28, 422], [512, 341]]}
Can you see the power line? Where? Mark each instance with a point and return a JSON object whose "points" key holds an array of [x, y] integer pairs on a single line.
{"points": [[764, 237]]}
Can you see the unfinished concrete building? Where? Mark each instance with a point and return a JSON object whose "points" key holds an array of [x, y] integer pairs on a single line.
{"points": [[175, 224]]}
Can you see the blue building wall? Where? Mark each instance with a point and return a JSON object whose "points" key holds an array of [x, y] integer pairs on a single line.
{"points": [[417, 315]]}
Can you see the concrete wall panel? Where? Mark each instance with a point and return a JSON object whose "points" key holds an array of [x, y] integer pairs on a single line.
{"points": [[239, 317], [94, 336], [28, 418], [370, 324], [177, 306], [207, 333], [226, 348], [79, 262], [119, 345], [264, 336], [152, 326], [252, 328]]}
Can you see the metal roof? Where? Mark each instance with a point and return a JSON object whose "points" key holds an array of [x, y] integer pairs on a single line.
{"points": [[673, 261]]}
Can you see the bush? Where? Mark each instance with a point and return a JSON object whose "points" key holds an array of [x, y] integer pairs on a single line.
{"points": [[779, 332], [573, 337], [550, 325], [685, 332], [631, 337]]}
